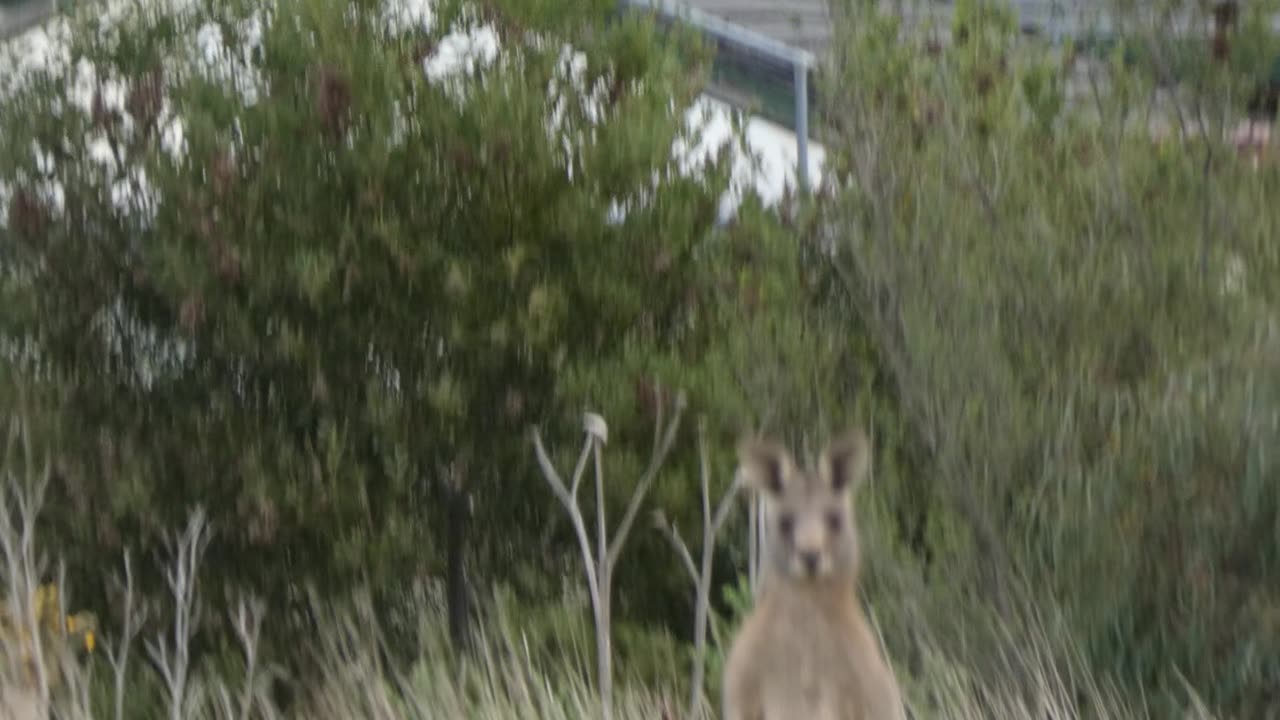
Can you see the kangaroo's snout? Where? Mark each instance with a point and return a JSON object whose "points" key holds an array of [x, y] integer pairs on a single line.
{"points": [[809, 561], [810, 546]]}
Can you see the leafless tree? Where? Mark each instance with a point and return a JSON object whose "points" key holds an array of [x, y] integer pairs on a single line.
{"points": [[172, 655], [700, 573], [600, 561], [134, 615], [246, 620]]}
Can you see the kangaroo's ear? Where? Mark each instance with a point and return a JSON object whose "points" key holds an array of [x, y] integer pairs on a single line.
{"points": [[765, 465], [846, 461]]}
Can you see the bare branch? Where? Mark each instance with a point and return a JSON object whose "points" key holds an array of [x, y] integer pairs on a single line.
{"points": [[552, 476], [580, 468], [246, 620], [118, 653], [604, 565], [704, 475], [173, 661], [726, 505], [672, 535], [700, 574], [571, 506], [660, 415], [646, 480]]}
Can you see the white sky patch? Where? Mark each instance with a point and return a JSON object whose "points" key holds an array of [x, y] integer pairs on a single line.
{"points": [[216, 61], [209, 43], [770, 160], [709, 129], [616, 213], [461, 51], [99, 150], [569, 83], [771, 163], [112, 91], [1234, 275], [173, 139], [135, 193], [52, 195], [44, 159], [403, 16], [779, 155], [83, 83], [571, 70]]}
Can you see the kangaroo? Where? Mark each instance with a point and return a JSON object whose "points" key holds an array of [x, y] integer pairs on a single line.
{"points": [[807, 652]]}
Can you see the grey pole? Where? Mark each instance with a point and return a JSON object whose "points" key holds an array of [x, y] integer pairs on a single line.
{"points": [[721, 29], [802, 125]]}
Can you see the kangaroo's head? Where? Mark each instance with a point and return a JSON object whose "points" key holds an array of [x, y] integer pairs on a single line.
{"points": [[810, 532]]}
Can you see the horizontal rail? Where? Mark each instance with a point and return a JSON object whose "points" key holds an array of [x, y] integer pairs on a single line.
{"points": [[725, 31]]}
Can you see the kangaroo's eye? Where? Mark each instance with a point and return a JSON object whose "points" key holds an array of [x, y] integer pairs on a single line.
{"points": [[834, 522], [785, 525]]}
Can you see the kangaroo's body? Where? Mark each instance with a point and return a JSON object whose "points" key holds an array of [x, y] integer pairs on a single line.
{"points": [[807, 652]]}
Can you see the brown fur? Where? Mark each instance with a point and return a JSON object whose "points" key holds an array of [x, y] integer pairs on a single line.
{"points": [[807, 652]]}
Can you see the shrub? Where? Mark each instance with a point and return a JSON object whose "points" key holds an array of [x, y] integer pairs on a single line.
{"points": [[1074, 334], [271, 257]]}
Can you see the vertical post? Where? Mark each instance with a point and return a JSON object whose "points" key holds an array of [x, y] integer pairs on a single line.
{"points": [[753, 545], [802, 123]]}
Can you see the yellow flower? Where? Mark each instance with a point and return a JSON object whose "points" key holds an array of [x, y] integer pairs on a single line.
{"points": [[84, 624]]}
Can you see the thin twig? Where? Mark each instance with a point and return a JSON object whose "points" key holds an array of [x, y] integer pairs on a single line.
{"points": [[118, 653], [246, 621], [646, 480], [172, 656], [571, 507]]}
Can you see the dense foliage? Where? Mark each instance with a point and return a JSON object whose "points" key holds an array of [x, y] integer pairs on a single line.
{"points": [[326, 296], [1080, 334]]}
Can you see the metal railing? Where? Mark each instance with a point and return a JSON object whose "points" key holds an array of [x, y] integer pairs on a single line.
{"points": [[741, 40]]}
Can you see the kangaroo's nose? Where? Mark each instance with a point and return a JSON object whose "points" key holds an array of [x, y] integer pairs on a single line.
{"points": [[810, 561]]}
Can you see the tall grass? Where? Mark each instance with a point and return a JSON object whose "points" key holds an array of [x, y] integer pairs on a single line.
{"points": [[502, 677], [507, 674], [502, 681]]}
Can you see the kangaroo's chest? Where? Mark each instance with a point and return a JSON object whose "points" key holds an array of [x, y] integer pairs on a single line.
{"points": [[817, 701], [814, 677]]}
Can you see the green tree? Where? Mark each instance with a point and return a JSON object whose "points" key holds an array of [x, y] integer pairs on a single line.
{"points": [[326, 294]]}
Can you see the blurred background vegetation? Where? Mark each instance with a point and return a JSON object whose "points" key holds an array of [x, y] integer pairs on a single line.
{"points": [[254, 259]]}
